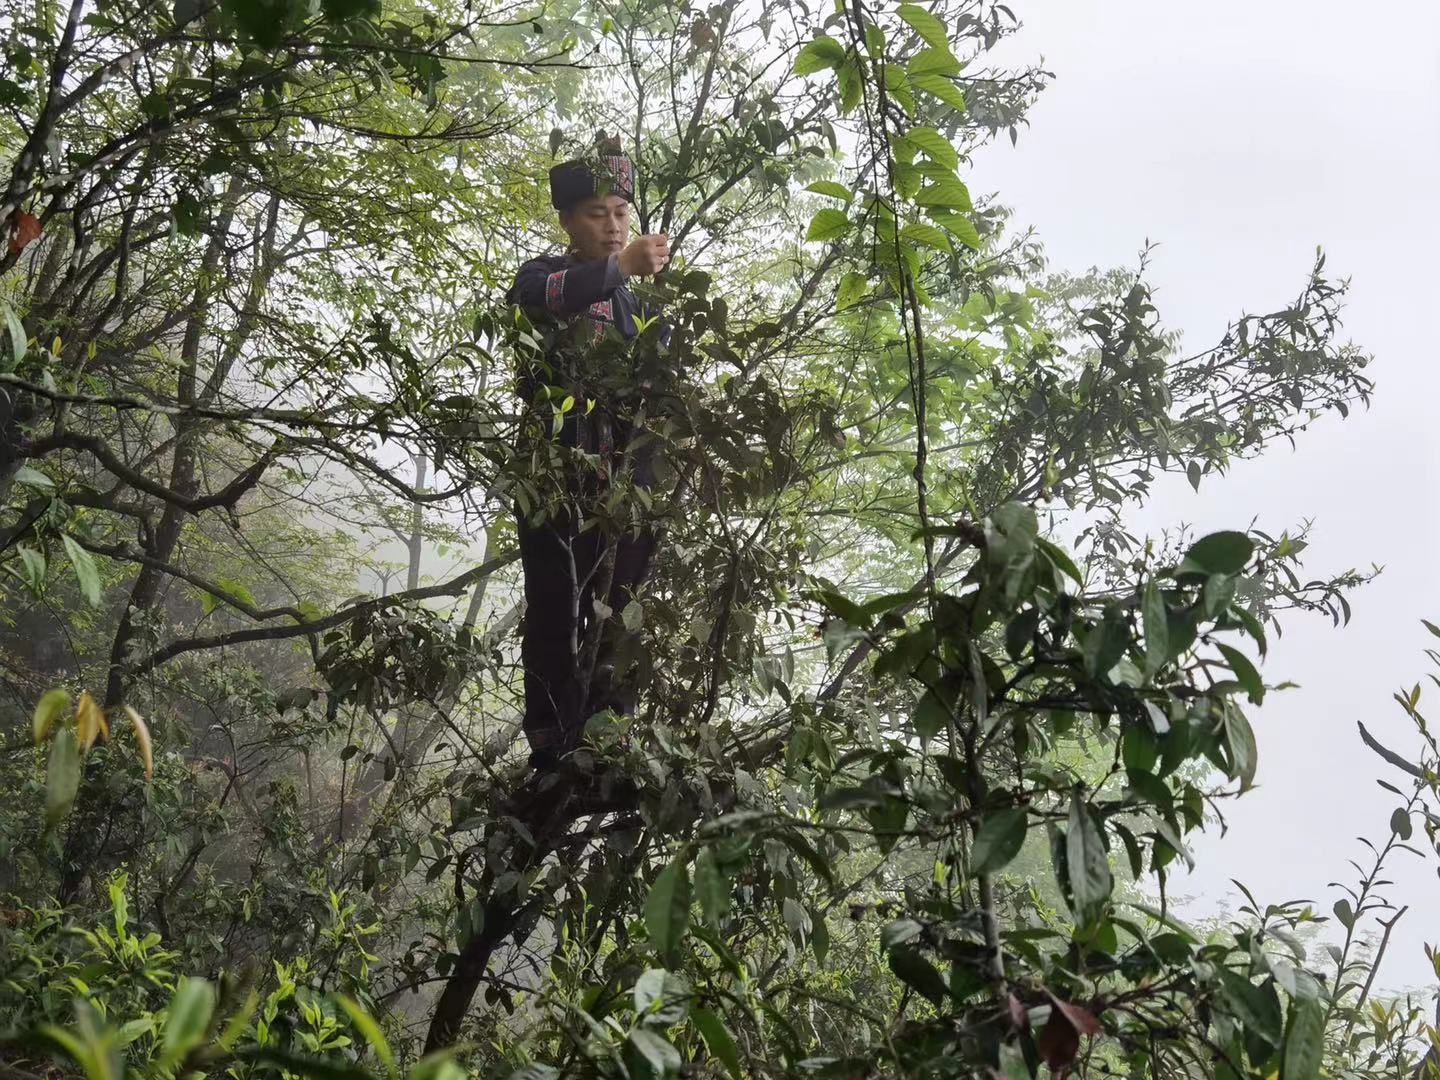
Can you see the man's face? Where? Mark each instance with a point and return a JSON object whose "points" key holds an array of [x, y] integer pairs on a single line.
{"points": [[598, 226]]}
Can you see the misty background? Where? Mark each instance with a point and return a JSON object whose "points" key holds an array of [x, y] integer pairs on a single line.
{"points": [[1239, 136]]}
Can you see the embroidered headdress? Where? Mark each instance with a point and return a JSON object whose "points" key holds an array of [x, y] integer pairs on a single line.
{"points": [[610, 174]]}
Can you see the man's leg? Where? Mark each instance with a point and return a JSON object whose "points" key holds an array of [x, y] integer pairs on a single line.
{"points": [[551, 554], [612, 688]]}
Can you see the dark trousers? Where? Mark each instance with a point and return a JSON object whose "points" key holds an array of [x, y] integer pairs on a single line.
{"points": [[563, 570]]}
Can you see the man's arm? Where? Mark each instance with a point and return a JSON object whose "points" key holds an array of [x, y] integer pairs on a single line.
{"points": [[543, 285]]}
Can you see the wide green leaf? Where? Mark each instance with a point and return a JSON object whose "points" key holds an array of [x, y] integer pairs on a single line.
{"points": [[948, 193], [999, 840], [187, 1017], [1245, 672], [918, 972], [930, 29], [831, 188], [937, 60], [1304, 1040], [667, 909], [651, 1055], [1087, 863], [1218, 553], [824, 52], [939, 86], [827, 224]]}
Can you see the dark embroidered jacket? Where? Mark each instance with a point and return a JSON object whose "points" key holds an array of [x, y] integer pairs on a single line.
{"points": [[575, 303]]}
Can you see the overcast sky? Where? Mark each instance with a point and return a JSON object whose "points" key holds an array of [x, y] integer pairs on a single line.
{"points": [[1240, 135]]}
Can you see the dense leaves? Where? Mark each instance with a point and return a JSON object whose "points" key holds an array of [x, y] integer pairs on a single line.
{"points": [[923, 727]]}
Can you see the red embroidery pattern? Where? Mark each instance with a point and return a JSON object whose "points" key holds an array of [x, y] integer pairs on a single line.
{"points": [[555, 291], [623, 175]]}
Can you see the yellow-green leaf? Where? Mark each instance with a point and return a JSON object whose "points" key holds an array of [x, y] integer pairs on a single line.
{"points": [[928, 235], [85, 570], [824, 52], [934, 61], [89, 721], [366, 1025], [831, 188], [938, 86], [47, 710], [931, 29]]}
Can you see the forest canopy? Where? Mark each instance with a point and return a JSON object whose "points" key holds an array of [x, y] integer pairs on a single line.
{"points": [[924, 726]]}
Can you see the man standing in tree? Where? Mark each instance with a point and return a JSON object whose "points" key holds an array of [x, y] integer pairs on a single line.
{"points": [[576, 575]]}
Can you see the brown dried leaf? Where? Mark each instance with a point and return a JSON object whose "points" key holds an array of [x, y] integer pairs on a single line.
{"points": [[142, 741]]}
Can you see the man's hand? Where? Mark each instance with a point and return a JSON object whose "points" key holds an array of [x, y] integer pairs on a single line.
{"points": [[645, 255]]}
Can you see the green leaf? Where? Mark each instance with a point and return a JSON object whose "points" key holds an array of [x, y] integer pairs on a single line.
{"points": [[47, 710], [853, 286], [1245, 672], [366, 1025], [187, 1017], [652, 1055], [1240, 738], [824, 52], [939, 86], [1087, 864], [1400, 823], [918, 972], [18, 341], [932, 716], [1304, 1040], [852, 86], [1105, 642], [633, 616], [712, 888], [34, 563], [933, 61], [62, 776], [85, 570], [827, 224], [803, 848], [1157, 629], [34, 477], [934, 146], [1344, 913], [1218, 553], [831, 188], [718, 1039], [667, 909], [999, 839], [1257, 1007], [949, 192], [931, 29], [1060, 560], [927, 235]]}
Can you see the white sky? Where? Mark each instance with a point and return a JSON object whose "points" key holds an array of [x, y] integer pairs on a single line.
{"points": [[1241, 134]]}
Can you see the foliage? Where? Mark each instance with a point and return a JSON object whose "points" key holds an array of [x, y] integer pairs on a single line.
{"points": [[924, 728]]}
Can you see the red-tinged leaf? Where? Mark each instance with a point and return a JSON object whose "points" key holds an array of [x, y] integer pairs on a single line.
{"points": [[1059, 1042], [1019, 1015], [23, 229], [1081, 1019]]}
